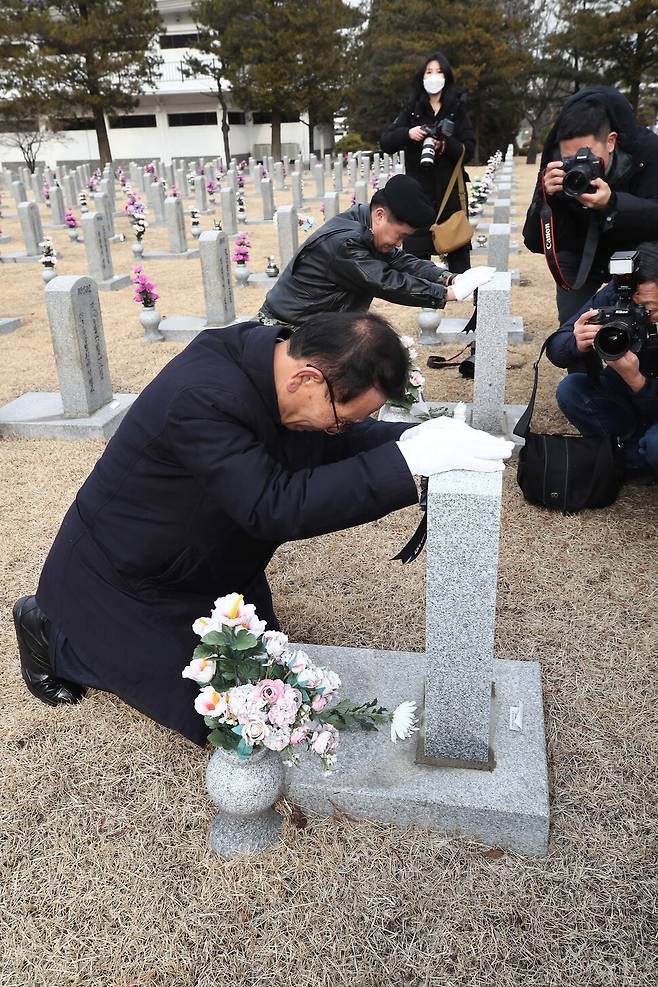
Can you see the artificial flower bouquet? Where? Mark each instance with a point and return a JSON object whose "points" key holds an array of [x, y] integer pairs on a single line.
{"points": [[415, 380], [257, 691]]}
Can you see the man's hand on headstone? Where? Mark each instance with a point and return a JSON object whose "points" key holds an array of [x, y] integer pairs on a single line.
{"points": [[443, 444], [466, 283]]}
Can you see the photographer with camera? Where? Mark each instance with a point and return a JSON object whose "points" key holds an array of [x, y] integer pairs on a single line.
{"points": [[617, 326], [596, 193], [434, 132]]}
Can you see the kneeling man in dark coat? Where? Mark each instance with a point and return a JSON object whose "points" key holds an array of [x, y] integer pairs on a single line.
{"points": [[245, 440]]}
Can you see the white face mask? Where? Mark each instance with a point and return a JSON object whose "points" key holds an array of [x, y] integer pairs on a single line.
{"points": [[433, 84]]}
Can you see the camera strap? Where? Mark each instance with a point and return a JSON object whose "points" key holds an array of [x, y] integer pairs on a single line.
{"points": [[550, 253], [458, 177]]}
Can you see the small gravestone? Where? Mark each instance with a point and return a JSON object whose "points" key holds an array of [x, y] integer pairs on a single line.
{"points": [[57, 210], [351, 171], [156, 199], [181, 183], [338, 176], [267, 196], [232, 179], [37, 188], [32, 230], [99, 258], [70, 192], [498, 242], [18, 192], [478, 767], [214, 249], [84, 407], [277, 173], [200, 194], [327, 164], [491, 354], [365, 169], [331, 205], [297, 193], [361, 193], [104, 208], [318, 174], [288, 230], [175, 221], [229, 211]]}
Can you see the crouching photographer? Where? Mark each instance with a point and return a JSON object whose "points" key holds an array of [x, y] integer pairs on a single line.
{"points": [[610, 348], [596, 193]]}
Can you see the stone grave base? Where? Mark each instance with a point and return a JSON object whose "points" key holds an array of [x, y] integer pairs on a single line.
{"points": [[259, 277], [184, 328], [511, 415], [18, 258], [5, 238], [8, 325], [375, 779], [113, 284], [167, 255], [55, 226], [255, 222], [450, 331], [40, 415]]}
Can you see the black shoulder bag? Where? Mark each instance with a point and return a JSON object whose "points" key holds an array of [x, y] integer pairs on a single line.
{"points": [[567, 472]]}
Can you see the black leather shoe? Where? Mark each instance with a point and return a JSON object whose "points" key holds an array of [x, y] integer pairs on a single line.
{"points": [[36, 669]]}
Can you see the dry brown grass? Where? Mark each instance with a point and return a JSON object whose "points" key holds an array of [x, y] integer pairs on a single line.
{"points": [[108, 881]]}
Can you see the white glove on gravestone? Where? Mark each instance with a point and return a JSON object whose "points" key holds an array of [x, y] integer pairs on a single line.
{"points": [[466, 283], [443, 444]]}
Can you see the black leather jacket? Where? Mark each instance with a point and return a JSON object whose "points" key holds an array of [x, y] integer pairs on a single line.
{"points": [[338, 270]]}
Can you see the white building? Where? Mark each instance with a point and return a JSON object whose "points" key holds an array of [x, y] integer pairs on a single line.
{"points": [[178, 118]]}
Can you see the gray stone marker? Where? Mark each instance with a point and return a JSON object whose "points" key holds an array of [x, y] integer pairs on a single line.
{"points": [[37, 188], [365, 166], [338, 176], [181, 183], [175, 221], [277, 174], [214, 248], [57, 210], [200, 194], [104, 208], [156, 199], [496, 787], [327, 164], [267, 196], [84, 407], [18, 192], [461, 611], [232, 179], [318, 175], [288, 231], [70, 192], [331, 205], [32, 230], [491, 353], [501, 210], [351, 170], [99, 258], [229, 211], [297, 193], [450, 330], [361, 193]]}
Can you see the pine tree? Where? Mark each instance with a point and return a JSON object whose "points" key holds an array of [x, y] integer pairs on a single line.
{"points": [[282, 56], [77, 57]]}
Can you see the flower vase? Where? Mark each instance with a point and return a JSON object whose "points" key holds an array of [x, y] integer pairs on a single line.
{"points": [[150, 320], [241, 275], [428, 320], [73, 233], [245, 793], [137, 248], [48, 273], [196, 232]]}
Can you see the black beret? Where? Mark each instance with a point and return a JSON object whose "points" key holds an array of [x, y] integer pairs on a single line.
{"points": [[408, 202]]}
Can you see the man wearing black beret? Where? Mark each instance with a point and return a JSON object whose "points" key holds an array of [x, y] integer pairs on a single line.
{"points": [[357, 256]]}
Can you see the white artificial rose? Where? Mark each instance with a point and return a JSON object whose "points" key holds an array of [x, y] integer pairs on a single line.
{"points": [[275, 643], [254, 732]]}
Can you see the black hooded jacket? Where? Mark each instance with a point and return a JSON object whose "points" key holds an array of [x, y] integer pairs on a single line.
{"points": [[631, 216]]}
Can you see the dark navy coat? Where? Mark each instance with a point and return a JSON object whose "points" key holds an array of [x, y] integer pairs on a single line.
{"points": [[192, 496]]}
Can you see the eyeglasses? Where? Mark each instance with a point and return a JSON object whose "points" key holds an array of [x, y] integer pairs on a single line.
{"points": [[340, 425]]}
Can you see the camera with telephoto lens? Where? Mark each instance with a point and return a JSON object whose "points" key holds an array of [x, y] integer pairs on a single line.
{"points": [[579, 171], [625, 326], [444, 128]]}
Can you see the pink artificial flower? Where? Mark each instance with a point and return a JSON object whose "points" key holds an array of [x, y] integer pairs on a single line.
{"points": [[209, 702], [200, 670], [325, 740], [271, 690], [319, 703], [299, 735]]}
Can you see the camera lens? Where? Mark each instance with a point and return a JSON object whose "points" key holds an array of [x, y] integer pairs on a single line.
{"points": [[428, 152], [612, 341], [575, 182]]}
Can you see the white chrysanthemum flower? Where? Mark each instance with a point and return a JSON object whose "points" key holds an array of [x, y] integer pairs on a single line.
{"points": [[403, 721]]}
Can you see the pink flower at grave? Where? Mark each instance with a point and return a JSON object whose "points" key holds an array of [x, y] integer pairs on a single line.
{"points": [[325, 740], [271, 690], [209, 702]]}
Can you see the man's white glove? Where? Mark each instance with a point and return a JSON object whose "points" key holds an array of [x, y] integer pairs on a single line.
{"points": [[466, 283], [443, 444]]}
